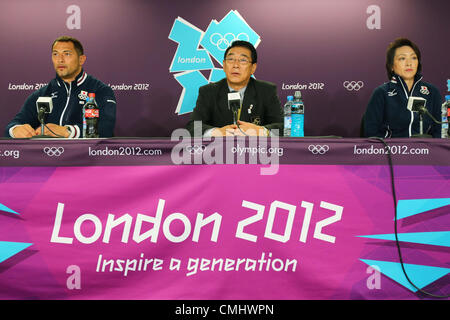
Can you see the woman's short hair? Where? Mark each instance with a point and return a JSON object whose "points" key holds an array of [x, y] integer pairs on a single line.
{"points": [[390, 54]]}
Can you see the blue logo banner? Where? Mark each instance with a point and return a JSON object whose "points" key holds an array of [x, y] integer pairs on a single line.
{"points": [[189, 59]]}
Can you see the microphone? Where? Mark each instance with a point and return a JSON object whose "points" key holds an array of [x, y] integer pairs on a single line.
{"points": [[43, 105], [234, 104], [417, 104]]}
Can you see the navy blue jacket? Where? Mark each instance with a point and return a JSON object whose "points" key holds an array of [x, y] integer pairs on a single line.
{"points": [[68, 100], [387, 115]]}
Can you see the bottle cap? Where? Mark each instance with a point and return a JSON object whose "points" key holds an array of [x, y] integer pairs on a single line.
{"points": [[297, 94], [447, 97], [290, 98], [92, 95]]}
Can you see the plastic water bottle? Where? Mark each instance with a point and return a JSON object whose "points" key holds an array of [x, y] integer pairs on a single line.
{"points": [[445, 117], [287, 116], [298, 116], [91, 114]]}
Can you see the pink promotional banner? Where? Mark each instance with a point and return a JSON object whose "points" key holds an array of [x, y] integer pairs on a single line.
{"points": [[214, 232]]}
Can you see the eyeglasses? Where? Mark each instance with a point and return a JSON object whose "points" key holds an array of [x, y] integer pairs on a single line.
{"points": [[241, 61]]}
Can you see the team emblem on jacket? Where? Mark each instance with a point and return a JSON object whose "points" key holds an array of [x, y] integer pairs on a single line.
{"points": [[424, 90], [83, 95], [255, 120]]}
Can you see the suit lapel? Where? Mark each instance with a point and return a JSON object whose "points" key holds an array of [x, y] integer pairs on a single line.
{"points": [[249, 102], [222, 102]]}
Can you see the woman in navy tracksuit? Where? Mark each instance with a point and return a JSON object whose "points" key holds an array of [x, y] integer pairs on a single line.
{"points": [[387, 115]]}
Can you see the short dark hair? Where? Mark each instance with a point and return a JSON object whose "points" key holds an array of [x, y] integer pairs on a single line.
{"points": [[390, 54], [245, 44], [76, 43]]}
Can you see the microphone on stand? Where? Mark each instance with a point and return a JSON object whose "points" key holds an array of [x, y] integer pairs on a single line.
{"points": [[43, 105], [234, 104], [417, 104]]}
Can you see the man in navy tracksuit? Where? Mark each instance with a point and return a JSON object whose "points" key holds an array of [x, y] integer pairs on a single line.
{"points": [[69, 91], [387, 115]]}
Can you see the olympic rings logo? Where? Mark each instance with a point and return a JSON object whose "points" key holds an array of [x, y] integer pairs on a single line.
{"points": [[82, 96], [53, 151], [222, 42], [318, 149], [196, 149], [353, 85]]}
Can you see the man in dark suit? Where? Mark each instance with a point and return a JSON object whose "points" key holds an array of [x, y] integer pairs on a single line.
{"points": [[260, 112]]}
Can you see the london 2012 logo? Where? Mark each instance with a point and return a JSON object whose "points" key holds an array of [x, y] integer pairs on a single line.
{"points": [[414, 276], [198, 49], [9, 249]]}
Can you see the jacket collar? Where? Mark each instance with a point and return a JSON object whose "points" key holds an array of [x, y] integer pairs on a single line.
{"points": [[396, 79], [224, 83], [249, 90], [79, 79]]}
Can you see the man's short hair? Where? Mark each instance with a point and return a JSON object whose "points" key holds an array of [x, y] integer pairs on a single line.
{"points": [[76, 43], [245, 44], [390, 54]]}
